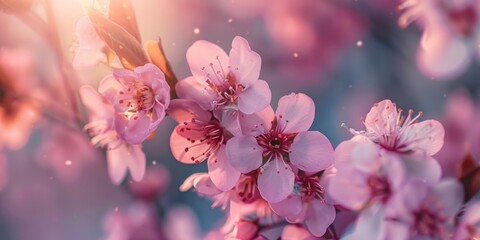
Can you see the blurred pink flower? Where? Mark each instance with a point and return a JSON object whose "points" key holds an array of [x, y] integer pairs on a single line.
{"points": [[18, 111], [469, 224], [200, 136], [66, 151], [307, 205], [426, 211], [462, 133], [181, 223], [450, 34], [155, 182], [140, 99], [295, 232], [279, 137], [121, 156], [243, 230], [221, 80], [90, 50], [137, 222], [386, 126]]}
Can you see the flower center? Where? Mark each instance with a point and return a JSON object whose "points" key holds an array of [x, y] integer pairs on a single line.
{"points": [[379, 188], [246, 189], [209, 136], [138, 99], [223, 84], [464, 20], [309, 188], [394, 141], [275, 143], [428, 223]]}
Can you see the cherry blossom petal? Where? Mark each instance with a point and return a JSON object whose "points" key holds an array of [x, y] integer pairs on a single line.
{"points": [[222, 173], [427, 136], [89, 51], [443, 55], [95, 104], [311, 151], [244, 153], [319, 217], [184, 110], [180, 141], [289, 207], [294, 232], [255, 97], [191, 88], [472, 213], [382, 118], [229, 119], [136, 162], [109, 87], [117, 163], [365, 157], [257, 123], [295, 113], [450, 193], [134, 130], [202, 183], [207, 61], [370, 224], [394, 170], [348, 194], [245, 63], [275, 181], [426, 168], [414, 193]]}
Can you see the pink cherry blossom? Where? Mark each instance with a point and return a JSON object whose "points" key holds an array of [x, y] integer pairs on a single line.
{"points": [[200, 136], [469, 224], [140, 98], [426, 211], [221, 80], [307, 205], [155, 182], [386, 126], [450, 34], [90, 50], [462, 132], [138, 221], [273, 141], [121, 156]]}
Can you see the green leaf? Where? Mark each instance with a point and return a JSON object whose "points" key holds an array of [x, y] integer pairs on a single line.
{"points": [[126, 47]]}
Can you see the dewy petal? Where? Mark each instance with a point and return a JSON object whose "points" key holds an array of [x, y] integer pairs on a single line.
{"points": [[191, 88], [450, 193], [255, 97], [117, 163], [289, 207], [207, 61], [382, 118], [223, 175], [275, 181], [136, 161], [311, 151], [257, 123], [133, 131], [295, 113], [245, 63], [427, 136], [319, 217], [184, 110], [179, 141], [244, 153]]}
